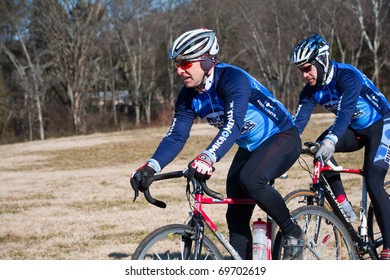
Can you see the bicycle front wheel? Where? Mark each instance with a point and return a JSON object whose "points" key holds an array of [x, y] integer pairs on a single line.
{"points": [[174, 242], [326, 238], [301, 197]]}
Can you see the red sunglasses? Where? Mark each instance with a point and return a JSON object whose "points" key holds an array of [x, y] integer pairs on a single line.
{"points": [[184, 64]]}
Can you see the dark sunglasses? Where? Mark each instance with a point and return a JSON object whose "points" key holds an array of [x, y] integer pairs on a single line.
{"points": [[306, 69]]}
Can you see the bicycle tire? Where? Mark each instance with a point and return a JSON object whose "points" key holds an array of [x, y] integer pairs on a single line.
{"points": [[332, 242], [301, 197], [374, 233], [166, 243]]}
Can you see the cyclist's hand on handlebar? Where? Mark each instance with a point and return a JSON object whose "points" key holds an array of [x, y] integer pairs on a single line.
{"points": [[200, 168], [139, 178], [327, 148]]}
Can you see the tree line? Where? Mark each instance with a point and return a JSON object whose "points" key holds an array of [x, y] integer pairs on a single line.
{"points": [[81, 66]]}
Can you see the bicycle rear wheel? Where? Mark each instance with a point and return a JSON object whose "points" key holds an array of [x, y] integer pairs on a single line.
{"points": [[174, 242], [374, 233], [326, 238]]}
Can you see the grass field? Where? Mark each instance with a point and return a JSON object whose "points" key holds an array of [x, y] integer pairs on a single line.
{"points": [[70, 198]]}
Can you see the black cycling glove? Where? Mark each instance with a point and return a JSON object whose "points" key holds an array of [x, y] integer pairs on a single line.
{"points": [[139, 178]]}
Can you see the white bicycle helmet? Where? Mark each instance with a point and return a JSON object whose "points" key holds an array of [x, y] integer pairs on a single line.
{"points": [[310, 49], [314, 50], [194, 44]]}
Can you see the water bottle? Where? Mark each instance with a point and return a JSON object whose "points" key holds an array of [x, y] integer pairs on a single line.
{"points": [[260, 240], [343, 201]]}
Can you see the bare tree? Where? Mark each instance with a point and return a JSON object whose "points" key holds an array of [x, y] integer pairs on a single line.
{"points": [[70, 29], [110, 65], [130, 35], [5, 112], [374, 12], [271, 53], [112, 74], [140, 35], [29, 66], [170, 34]]}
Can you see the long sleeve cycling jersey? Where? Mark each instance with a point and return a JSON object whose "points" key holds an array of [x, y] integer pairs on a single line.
{"points": [[243, 110], [350, 95]]}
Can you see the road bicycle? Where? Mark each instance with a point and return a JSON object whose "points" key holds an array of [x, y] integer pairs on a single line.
{"points": [[367, 239], [190, 242]]}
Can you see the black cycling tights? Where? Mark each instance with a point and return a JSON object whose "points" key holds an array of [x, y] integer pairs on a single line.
{"points": [[249, 176], [370, 138]]}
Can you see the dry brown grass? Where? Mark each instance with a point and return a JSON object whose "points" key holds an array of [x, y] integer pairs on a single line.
{"points": [[69, 198]]}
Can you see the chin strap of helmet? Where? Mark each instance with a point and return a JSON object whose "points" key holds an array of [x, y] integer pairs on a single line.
{"points": [[202, 86], [207, 80]]}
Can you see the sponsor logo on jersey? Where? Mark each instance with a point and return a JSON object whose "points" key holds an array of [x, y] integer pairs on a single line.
{"points": [[247, 127], [216, 119], [225, 131], [332, 105], [171, 128], [373, 99], [357, 114], [267, 107]]}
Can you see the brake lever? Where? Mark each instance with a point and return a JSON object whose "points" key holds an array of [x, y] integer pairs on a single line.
{"points": [[134, 185]]}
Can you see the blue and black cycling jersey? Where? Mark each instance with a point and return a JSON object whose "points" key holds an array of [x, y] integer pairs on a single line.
{"points": [[350, 95], [243, 110]]}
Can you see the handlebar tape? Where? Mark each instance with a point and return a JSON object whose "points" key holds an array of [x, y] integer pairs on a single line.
{"points": [[158, 177], [210, 192]]}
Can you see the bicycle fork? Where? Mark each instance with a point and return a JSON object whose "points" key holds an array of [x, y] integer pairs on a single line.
{"points": [[194, 239], [197, 226]]}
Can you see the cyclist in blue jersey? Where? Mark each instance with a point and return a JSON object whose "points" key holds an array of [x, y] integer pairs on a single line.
{"points": [[362, 120], [245, 113]]}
